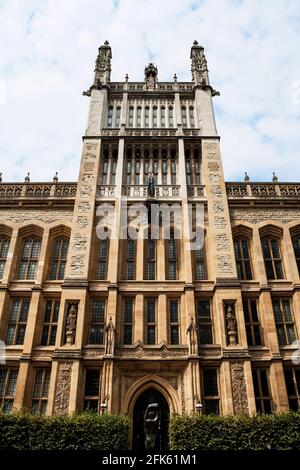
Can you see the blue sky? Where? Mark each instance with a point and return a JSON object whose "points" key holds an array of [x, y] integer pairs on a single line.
{"points": [[47, 54]]}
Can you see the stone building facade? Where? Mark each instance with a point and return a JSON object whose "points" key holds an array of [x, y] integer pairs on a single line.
{"points": [[113, 324]]}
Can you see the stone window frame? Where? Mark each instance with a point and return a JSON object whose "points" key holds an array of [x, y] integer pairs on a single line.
{"points": [[126, 323], [147, 258], [272, 233], [261, 397], [295, 396], [284, 323], [295, 237], [96, 323], [8, 389], [252, 324], [5, 239], [110, 111], [52, 324], [29, 260], [174, 324], [17, 320], [242, 233], [102, 259], [40, 390], [150, 324], [175, 260], [91, 398], [208, 323], [207, 397]]}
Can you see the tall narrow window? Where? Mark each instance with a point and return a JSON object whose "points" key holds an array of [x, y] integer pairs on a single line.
{"points": [[164, 172], [128, 320], [188, 171], [252, 322], [272, 258], [147, 116], [29, 258], [210, 387], [128, 172], [17, 321], [183, 115], [50, 322], [284, 321], [40, 391], [292, 382], [197, 172], [191, 114], [8, 382], [150, 248], [296, 246], [97, 322], [109, 116], [130, 117], [171, 259], [137, 172], [174, 321], [155, 171], [163, 116], [103, 259], [118, 116], [59, 258], [204, 322], [200, 271], [146, 171], [138, 116], [171, 121], [154, 116], [262, 390], [150, 321], [104, 169], [113, 171], [242, 257], [91, 390], [4, 245], [173, 166], [130, 259]]}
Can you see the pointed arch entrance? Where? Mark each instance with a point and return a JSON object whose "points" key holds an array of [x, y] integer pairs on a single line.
{"points": [[150, 421]]}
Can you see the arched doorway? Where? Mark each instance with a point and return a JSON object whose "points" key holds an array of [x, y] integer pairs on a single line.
{"points": [[150, 421]]}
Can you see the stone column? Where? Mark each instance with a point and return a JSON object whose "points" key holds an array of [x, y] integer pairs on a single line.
{"points": [[138, 334], [162, 318]]}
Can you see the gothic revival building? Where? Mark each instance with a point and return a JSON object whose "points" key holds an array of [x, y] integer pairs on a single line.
{"points": [[114, 324]]}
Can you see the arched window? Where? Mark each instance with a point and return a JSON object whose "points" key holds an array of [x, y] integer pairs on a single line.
{"points": [[183, 116], [171, 121], [130, 117], [118, 116], [191, 114], [272, 257], [147, 116], [138, 116], [109, 116], [154, 116], [243, 259], [29, 258], [59, 259], [163, 116], [4, 246], [296, 246]]}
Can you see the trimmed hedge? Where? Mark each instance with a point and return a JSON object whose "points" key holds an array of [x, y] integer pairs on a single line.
{"points": [[261, 432], [86, 431]]}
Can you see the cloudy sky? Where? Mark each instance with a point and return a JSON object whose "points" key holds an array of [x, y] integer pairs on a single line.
{"points": [[47, 54]]}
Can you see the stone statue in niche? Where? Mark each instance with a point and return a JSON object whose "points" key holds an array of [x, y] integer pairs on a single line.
{"points": [[152, 426], [110, 338], [192, 332], [151, 186], [231, 323], [71, 323]]}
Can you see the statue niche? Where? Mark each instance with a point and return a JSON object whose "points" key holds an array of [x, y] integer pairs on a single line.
{"points": [[152, 426], [71, 322]]}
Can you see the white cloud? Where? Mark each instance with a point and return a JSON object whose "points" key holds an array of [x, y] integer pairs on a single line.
{"points": [[47, 54]]}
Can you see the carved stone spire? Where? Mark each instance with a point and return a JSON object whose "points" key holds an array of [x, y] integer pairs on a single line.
{"points": [[103, 65], [199, 65]]}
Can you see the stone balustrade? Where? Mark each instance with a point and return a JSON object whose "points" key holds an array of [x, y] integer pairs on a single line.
{"points": [[262, 190], [161, 191], [37, 190]]}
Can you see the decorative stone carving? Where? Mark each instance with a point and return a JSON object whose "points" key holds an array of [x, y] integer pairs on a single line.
{"points": [[239, 390], [214, 177], [213, 166], [231, 325], [63, 387], [218, 207], [110, 338], [44, 215], [199, 65], [71, 323], [219, 221], [224, 264], [210, 146], [77, 263], [85, 191], [82, 221], [151, 76], [222, 242], [192, 337], [83, 207], [103, 65], [79, 243], [89, 166], [216, 190]]}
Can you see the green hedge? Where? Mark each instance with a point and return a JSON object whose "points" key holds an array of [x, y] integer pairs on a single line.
{"points": [[275, 431], [86, 431]]}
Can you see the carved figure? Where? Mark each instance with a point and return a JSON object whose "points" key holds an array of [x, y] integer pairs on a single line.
{"points": [[151, 426]]}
